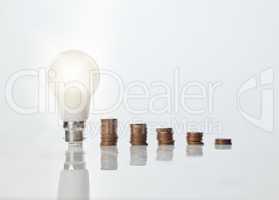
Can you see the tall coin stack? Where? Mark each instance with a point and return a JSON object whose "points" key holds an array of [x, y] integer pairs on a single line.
{"points": [[138, 134], [194, 138], [165, 136], [109, 132]]}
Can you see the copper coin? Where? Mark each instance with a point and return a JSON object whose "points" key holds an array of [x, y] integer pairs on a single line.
{"points": [[225, 141], [195, 143], [166, 142], [194, 134], [192, 140], [164, 129]]}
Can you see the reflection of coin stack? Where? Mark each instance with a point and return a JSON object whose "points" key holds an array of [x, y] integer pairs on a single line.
{"points": [[194, 138], [165, 136], [223, 147], [109, 132], [165, 152], [109, 156], [138, 134], [138, 155], [194, 150]]}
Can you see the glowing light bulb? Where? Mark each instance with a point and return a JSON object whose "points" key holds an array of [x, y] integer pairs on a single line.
{"points": [[74, 76]]}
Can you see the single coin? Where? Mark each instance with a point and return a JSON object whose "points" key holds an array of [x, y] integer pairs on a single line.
{"points": [[195, 143], [194, 140], [138, 125], [138, 143], [164, 129], [166, 142], [194, 134], [108, 144]]}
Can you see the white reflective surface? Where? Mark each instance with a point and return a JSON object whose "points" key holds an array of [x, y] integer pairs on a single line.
{"points": [[52, 170]]}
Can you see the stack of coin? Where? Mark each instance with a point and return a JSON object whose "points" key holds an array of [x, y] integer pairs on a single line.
{"points": [[138, 134], [108, 132], [165, 136], [194, 138], [223, 141]]}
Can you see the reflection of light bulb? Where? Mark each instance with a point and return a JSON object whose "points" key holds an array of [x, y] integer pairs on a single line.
{"points": [[74, 179], [75, 77]]}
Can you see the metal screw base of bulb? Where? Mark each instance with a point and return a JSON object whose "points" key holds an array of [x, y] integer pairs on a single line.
{"points": [[74, 131]]}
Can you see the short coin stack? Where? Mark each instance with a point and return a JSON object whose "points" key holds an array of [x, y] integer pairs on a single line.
{"points": [[138, 134], [194, 138], [223, 141], [165, 136], [109, 132]]}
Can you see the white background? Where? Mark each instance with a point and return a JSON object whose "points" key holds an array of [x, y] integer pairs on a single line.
{"points": [[208, 41]]}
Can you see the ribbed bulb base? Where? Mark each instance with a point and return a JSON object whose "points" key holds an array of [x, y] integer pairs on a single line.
{"points": [[74, 131]]}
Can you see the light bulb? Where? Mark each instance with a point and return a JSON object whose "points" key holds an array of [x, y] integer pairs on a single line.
{"points": [[74, 77]]}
